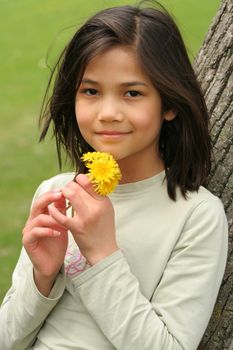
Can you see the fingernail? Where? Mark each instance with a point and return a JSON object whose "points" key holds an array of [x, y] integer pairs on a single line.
{"points": [[56, 233]]}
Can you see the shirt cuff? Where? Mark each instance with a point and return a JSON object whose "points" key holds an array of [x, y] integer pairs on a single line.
{"points": [[97, 268], [57, 289]]}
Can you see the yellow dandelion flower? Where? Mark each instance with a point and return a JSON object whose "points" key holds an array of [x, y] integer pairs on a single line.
{"points": [[103, 171]]}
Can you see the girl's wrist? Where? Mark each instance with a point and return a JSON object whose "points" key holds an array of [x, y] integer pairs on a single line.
{"points": [[44, 284]]}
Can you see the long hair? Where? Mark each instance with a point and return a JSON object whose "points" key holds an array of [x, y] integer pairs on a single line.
{"points": [[184, 143]]}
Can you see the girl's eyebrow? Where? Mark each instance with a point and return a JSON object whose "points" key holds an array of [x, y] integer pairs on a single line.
{"points": [[89, 81], [133, 83], [128, 83]]}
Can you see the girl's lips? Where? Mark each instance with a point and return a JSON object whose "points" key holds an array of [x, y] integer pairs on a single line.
{"points": [[112, 133]]}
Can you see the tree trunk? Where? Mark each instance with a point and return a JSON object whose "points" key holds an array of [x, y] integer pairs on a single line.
{"points": [[214, 66]]}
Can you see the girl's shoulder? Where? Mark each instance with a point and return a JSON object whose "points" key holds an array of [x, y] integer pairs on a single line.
{"points": [[202, 204], [203, 195], [194, 198]]}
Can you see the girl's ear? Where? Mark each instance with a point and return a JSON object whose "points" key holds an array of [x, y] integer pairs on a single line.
{"points": [[169, 115]]}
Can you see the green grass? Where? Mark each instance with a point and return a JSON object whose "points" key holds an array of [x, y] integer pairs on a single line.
{"points": [[28, 30]]}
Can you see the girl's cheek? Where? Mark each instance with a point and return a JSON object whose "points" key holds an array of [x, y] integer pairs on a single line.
{"points": [[83, 111]]}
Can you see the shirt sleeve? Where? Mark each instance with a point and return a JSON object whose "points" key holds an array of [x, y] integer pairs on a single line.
{"points": [[24, 309], [179, 310]]}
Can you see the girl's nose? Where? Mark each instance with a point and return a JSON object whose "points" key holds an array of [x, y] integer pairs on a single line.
{"points": [[110, 111]]}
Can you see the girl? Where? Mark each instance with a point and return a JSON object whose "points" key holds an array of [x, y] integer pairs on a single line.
{"points": [[141, 268]]}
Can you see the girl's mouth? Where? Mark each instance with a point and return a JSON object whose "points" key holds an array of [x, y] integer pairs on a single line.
{"points": [[112, 133]]}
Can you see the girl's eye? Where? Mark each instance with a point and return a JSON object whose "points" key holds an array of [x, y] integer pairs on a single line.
{"points": [[90, 92], [133, 93]]}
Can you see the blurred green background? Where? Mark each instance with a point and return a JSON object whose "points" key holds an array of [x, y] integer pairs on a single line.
{"points": [[30, 31]]}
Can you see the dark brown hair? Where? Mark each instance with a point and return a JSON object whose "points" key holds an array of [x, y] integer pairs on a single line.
{"points": [[184, 142]]}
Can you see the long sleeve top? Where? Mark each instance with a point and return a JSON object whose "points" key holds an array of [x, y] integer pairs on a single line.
{"points": [[157, 292]]}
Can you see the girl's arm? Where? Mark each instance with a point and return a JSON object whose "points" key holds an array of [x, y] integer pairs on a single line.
{"points": [[25, 308], [178, 312]]}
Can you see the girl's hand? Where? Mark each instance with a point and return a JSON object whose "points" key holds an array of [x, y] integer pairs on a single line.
{"points": [[93, 225], [45, 240]]}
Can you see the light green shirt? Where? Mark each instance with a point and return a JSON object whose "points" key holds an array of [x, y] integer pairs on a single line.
{"points": [[156, 293]]}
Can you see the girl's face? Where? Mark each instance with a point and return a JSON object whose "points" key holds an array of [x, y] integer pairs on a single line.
{"points": [[119, 111]]}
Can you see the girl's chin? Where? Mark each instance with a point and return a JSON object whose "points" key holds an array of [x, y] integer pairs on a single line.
{"points": [[115, 155]]}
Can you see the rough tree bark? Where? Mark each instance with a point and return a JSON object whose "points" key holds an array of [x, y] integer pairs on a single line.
{"points": [[214, 67]]}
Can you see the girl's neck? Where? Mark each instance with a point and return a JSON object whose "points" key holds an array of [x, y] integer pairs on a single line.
{"points": [[133, 171]]}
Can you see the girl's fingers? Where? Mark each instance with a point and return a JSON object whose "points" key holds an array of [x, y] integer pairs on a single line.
{"points": [[83, 186], [81, 194], [43, 220], [61, 204], [60, 218], [38, 233], [41, 204], [77, 197], [86, 184]]}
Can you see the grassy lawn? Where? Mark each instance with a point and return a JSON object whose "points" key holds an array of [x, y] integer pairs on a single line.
{"points": [[29, 31]]}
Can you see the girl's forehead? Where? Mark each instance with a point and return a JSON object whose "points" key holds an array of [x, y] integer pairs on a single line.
{"points": [[119, 50], [118, 58]]}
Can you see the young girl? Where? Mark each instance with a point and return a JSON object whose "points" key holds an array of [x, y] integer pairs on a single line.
{"points": [[140, 268]]}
